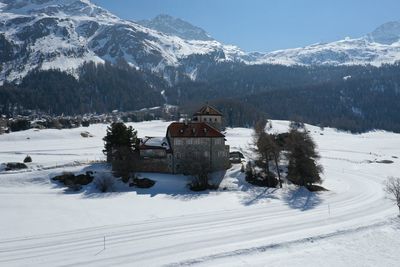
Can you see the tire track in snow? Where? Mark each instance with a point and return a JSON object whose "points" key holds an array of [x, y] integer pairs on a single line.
{"points": [[204, 233]]}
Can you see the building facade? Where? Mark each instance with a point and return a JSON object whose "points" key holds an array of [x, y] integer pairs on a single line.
{"points": [[195, 141], [209, 115]]}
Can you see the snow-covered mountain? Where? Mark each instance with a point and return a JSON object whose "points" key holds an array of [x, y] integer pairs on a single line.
{"points": [[377, 48], [64, 34], [388, 33], [177, 27]]}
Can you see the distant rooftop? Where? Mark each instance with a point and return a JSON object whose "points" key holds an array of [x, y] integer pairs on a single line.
{"points": [[154, 143], [193, 129], [208, 110]]}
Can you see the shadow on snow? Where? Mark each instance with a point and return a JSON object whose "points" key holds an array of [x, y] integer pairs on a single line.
{"points": [[302, 199], [174, 186], [177, 187]]}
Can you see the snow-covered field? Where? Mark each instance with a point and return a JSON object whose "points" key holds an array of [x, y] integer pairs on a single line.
{"points": [[352, 224]]}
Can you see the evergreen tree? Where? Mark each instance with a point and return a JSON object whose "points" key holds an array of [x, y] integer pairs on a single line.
{"points": [[119, 137], [303, 169]]}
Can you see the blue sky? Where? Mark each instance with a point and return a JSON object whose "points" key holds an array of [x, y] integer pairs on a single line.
{"points": [[266, 25]]}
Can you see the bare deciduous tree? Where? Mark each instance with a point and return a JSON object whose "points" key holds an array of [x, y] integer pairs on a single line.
{"points": [[266, 148], [104, 182], [392, 187], [197, 164]]}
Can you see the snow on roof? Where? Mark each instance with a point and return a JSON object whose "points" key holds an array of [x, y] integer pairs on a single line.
{"points": [[155, 142], [208, 110]]}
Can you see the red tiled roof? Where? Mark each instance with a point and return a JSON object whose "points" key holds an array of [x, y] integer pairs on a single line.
{"points": [[192, 129], [208, 110]]}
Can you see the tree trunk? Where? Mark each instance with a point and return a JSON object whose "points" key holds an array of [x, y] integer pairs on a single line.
{"points": [[267, 164], [277, 170]]}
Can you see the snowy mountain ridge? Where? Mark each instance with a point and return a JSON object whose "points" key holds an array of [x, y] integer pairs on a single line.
{"points": [[64, 34], [382, 46], [176, 27], [47, 34], [358, 51]]}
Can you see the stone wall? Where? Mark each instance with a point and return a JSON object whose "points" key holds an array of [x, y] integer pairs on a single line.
{"points": [[213, 149], [162, 165]]}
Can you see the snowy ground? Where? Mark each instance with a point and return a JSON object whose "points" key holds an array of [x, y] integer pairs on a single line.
{"points": [[43, 225]]}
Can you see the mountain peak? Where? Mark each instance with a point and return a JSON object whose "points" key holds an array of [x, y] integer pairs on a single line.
{"points": [[387, 33], [177, 27], [53, 7]]}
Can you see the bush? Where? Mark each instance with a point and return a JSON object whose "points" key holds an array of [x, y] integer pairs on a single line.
{"points": [[86, 134], [28, 159], [263, 180], [19, 125], [198, 186], [105, 183], [73, 181], [12, 166], [142, 183]]}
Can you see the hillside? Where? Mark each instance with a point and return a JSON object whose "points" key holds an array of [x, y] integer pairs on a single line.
{"points": [[64, 34], [170, 225], [75, 57]]}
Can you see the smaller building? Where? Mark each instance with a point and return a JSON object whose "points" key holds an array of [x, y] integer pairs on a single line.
{"points": [[210, 115], [155, 155]]}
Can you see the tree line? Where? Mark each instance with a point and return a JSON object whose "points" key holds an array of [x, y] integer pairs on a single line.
{"points": [[355, 98], [100, 88]]}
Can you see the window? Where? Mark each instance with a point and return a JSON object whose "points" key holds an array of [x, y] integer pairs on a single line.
{"points": [[206, 154], [178, 142], [189, 141], [218, 141]]}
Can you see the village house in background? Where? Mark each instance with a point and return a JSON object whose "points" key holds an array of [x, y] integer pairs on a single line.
{"points": [[197, 139], [210, 115]]}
